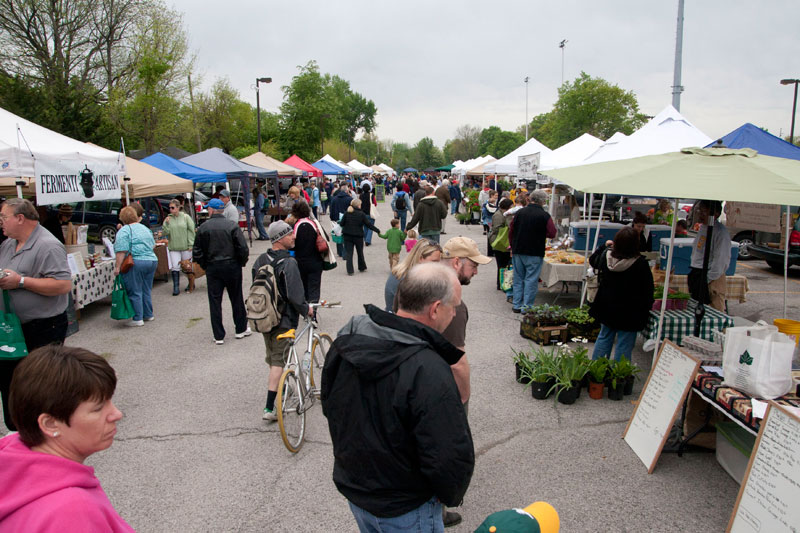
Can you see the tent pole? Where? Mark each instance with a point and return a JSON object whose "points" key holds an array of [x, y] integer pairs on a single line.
{"points": [[786, 258], [19, 184], [125, 180], [586, 247], [553, 200], [666, 278]]}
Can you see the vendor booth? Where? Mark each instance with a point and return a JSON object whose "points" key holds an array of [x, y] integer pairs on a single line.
{"points": [[296, 162]]}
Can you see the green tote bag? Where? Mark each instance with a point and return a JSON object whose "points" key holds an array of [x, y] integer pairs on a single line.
{"points": [[12, 341], [501, 242], [121, 306]]}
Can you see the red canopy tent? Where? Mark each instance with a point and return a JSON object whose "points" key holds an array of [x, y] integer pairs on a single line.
{"points": [[296, 162]]}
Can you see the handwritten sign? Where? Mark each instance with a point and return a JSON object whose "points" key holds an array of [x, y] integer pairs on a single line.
{"points": [[661, 398], [528, 165], [770, 492], [759, 217]]}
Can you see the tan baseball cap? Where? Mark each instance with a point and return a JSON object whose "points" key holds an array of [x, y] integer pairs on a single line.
{"points": [[464, 247]]}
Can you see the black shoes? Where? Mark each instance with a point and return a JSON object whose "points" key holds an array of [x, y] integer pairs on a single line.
{"points": [[451, 519]]}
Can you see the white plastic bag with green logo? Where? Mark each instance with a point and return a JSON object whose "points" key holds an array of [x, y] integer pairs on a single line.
{"points": [[758, 361]]}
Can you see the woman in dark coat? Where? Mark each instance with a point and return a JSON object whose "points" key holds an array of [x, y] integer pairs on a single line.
{"points": [[309, 260], [624, 296], [367, 199], [353, 223], [503, 258]]}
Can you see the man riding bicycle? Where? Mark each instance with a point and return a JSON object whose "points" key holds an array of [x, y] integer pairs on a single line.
{"points": [[291, 303]]}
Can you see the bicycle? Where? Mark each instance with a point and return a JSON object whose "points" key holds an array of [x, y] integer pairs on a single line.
{"points": [[299, 386]]}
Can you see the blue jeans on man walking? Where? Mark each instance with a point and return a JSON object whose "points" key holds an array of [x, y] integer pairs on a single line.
{"points": [[401, 215], [526, 279], [368, 232], [138, 283], [453, 206], [426, 517], [605, 341]]}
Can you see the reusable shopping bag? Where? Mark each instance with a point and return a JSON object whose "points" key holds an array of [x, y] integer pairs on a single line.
{"points": [[121, 306], [328, 257], [506, 279], [500, 243], [758, 361], [12, 341], [336, 232]]}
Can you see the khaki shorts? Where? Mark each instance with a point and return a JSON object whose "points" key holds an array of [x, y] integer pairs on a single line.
{"points": [[276, 349]]}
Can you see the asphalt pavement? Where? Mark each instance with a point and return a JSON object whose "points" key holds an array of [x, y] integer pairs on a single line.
{"points": [[192, 453]]}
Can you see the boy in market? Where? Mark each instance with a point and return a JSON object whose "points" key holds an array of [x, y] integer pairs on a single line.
{"points": [[394, 242]]}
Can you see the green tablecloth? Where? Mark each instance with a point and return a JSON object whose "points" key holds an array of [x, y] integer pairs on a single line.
{"points": [[679, 324]]}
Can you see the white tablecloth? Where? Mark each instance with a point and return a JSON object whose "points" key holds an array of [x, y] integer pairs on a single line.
{"points": [[553, 273], [93, 284]]}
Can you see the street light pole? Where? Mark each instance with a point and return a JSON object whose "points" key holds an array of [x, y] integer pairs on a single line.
{"points": [[563, 46], [794, 105], [258, 108], [526, 107]]}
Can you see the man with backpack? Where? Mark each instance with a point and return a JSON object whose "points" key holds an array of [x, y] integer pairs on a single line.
{"points": [[401, 203], [276, 279]]}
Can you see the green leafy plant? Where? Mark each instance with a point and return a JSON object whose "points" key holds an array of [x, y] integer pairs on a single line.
{"points": [[598, 369], [578, 315], [570, 366], [544, 315], [622, 370], [472, 201]]}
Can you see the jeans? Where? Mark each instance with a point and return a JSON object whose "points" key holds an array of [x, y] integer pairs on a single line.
{"points": [[453, 206], [139, 283], [225, 276], [401, 215], [427, 517], [340, 250], [526, 279], [368, 232], [625, 343], [433, 237], [358, 244], [262, 233]]}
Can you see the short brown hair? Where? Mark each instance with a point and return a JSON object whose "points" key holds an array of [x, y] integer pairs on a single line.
{"points": [[626, 243], [639, 218], [23, 207], [301, 210], [55, 380], [128, 215], [395, 222]]}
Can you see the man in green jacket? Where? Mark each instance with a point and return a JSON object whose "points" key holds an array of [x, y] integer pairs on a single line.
{"points": [[429, 215]]}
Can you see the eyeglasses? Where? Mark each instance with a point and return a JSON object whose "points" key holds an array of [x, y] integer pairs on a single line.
{"points": [[173, 207]]}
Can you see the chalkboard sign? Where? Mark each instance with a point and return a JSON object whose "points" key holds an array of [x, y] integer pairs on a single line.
{"points": [[380, 193], [770, 492], [661, 398]]}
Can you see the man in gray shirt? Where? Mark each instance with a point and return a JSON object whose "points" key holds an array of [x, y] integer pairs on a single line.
{"points": [[36, 275], [230, 212]]}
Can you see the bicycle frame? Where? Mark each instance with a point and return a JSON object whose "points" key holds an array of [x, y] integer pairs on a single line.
{"points": [[293, 362]]}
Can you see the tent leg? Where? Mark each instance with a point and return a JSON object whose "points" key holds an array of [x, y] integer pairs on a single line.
{"points": [[666, 279], [786, 258], [586, 248]]}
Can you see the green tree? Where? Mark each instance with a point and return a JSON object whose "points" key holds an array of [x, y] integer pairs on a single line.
{"points": [[498, 143], [426, 154], [465, 144], [588, 105], [225, 120]]}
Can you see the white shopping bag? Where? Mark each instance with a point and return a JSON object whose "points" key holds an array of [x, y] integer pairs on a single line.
{"points": [[758, 361]]}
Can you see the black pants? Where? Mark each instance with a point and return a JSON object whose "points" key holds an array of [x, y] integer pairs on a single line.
{"points": [[39, 332], [225, 276], [312, 283], [503, 260], [358, 244]]}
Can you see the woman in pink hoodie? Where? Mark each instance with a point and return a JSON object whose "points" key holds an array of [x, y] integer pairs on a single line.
{"points": [[61, 404]]}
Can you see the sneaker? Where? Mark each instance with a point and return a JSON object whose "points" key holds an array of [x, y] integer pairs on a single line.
{"points": [[245, 333], [135, 323], [451, 519], [516, 310], [150, 319], [269, 415], [219, 342]]}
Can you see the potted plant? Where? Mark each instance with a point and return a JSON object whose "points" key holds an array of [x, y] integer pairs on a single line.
{"points": [[569, 373], [521, 362], [462, 218], [597, 375], [581, 324], [472, 205], [627, 372], [544, 324], [541, 373], [581, 354], [615, 381]]}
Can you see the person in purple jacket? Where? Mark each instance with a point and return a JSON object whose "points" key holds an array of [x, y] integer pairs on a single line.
{"points": [[61, 404]]}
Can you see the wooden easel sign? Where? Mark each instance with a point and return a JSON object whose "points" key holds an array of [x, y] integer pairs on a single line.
{"points": [[661, 399], [769, 498]]}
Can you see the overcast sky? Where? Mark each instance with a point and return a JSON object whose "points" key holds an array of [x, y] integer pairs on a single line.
{"points": [[431, 66]]}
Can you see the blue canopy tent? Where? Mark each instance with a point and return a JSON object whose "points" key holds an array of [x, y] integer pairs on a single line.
{"points": [[410, 169], [217, 160], [183, 170], [749, 136], [329, 169]]}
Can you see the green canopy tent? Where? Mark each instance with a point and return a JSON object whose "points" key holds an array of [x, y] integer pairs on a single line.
{"points": [[708, 173], [445, 168]]}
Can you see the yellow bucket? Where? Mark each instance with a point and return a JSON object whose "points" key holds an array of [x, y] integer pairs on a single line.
{"points": [[789, 327]]}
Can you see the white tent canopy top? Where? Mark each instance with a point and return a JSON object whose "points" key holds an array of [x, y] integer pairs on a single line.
{"points": [[359, 167], [508, 164], [387, 169], [571, 153], [480, 169], [329, 158]]}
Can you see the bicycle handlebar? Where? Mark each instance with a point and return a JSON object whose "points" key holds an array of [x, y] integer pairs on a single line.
{"points": [[326, 304]]}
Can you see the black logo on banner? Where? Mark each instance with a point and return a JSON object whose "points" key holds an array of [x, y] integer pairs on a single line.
{"points": [[87, 182]]}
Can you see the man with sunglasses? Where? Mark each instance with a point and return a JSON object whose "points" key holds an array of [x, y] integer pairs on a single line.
{"points": [[36, 275]]}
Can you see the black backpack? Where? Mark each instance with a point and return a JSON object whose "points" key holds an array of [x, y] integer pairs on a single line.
{"points": [[400, 202]]}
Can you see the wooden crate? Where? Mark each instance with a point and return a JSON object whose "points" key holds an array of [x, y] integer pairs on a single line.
{"points": [[543, 335]]}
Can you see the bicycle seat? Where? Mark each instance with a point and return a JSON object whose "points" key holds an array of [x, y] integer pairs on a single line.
{"points": [[288, 335]]}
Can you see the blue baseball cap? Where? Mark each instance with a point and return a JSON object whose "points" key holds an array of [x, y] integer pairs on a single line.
{"points": [[216, 203]]}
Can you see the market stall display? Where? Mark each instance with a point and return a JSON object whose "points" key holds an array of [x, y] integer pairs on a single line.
{"points": [[680, 323], [93, 284], [736, 286]]}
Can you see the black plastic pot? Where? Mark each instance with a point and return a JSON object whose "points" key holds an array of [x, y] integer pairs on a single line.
{"points": [[569, 395], [615, 393], [628, 388], [520, 378], [577, 384], [540, 389]]}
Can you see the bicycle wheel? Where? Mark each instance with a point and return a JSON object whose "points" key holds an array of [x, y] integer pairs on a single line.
{"points": [[318, 352], [291, 418]]}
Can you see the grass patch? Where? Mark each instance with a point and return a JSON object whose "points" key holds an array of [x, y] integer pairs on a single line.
{"points": [[193, 322]]}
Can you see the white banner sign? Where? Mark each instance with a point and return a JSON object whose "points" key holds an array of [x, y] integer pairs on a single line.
{"points": [[748, 215], [528, 165], [61, 181]]}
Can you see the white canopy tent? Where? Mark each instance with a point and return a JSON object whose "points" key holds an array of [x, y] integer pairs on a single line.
{"points": [[571, 153], [359, 167], [329, 158], [508, 163], [388, 169], [480, 169], [611, 141]]}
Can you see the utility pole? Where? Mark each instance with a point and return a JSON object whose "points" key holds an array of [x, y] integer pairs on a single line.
{"points": [[258, 109], [563, 46], [677, 88], [194, 116], [526, 107]]}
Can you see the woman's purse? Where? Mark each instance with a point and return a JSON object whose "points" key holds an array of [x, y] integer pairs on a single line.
{"points": [[12, 340], [127, 261], [121, 306]]}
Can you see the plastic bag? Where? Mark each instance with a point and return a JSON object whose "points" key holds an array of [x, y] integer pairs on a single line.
{"points": [[758, 361], [12, 341], [506, 279]]}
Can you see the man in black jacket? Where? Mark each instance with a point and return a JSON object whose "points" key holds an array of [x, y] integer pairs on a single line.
{"points": [[401, 441], [291, 303], [339, 204], [528, 233], [220, 248]]}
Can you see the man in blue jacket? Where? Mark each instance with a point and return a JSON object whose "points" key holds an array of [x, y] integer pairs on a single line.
{"points": [[401, 441]]}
